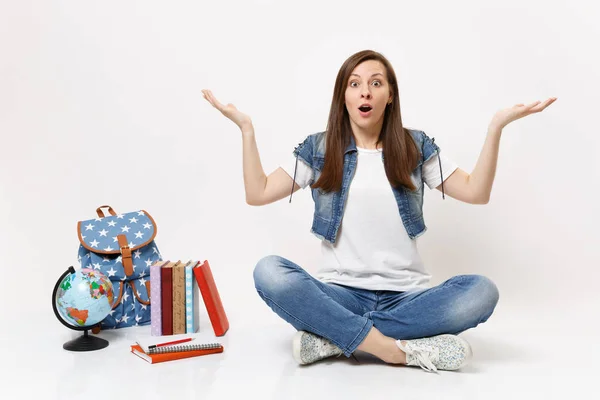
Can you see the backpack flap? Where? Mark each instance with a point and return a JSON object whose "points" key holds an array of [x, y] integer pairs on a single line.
{"points": [[120, 234]]}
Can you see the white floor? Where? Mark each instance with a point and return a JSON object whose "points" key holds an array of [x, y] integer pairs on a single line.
{"points": [[517, 354]]}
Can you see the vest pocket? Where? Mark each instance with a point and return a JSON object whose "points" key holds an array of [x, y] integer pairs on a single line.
{"points": [[318, 162], [323, 203]]}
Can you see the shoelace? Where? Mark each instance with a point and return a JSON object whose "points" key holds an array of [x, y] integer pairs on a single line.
{"points": [[422, 355]]}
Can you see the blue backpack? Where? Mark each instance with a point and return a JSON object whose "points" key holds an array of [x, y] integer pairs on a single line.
{"points": [[121, 246]]}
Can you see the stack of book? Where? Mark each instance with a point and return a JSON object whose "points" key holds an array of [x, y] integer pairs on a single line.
{"points": [[174, 292]]}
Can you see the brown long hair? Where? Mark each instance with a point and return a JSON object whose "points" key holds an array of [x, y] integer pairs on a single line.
{"points": [[400, 151]]}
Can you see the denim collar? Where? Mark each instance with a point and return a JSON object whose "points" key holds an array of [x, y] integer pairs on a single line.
{"points": [[351, 146]]}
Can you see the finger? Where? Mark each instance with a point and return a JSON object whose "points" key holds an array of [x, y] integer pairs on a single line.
{"points": [[213, 101], [207, 98], [217, 104], [547, 103], [210, 95], [543, 106]]}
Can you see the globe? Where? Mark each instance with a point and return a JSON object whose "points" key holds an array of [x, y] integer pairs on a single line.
{"points": [[81, 300]]}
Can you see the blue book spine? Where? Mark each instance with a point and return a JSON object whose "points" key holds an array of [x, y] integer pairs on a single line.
{"points": [[192, 320]]}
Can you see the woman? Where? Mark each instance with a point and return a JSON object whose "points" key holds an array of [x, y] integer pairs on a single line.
{"points": [[370, 292]]}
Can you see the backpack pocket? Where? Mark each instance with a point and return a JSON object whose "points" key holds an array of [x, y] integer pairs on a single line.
{"points": [[131, 306]]}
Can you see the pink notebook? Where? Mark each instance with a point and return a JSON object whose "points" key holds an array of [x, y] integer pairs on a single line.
{"points": [[155, 303]]}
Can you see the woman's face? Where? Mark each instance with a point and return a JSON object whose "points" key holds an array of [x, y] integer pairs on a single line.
{"points": [[367, 86]]}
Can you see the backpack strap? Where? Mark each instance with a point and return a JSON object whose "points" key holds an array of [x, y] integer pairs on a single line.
{"points": [[125, 255], [101, 214], [135, 293], [118, 298]]}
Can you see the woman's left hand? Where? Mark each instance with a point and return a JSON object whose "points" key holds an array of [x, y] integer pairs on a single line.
{"points": [[508, 115]]}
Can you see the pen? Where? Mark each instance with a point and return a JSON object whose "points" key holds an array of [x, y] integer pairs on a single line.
{"points": [[170, 343]]}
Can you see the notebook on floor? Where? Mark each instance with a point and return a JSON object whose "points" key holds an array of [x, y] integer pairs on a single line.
{"points": [[176, 352]]}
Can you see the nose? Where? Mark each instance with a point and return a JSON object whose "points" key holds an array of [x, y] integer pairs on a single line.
{"points": [[366, 93]]}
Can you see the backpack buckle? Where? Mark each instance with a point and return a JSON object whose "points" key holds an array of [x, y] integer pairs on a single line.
{"points": [[125, 255]]}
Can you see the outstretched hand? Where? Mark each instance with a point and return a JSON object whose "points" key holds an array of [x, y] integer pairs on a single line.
{"points": [[508, 115], [229, 110]]}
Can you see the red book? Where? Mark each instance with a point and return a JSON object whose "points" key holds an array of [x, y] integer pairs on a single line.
{"points": [[166, 283], [211, 298]]}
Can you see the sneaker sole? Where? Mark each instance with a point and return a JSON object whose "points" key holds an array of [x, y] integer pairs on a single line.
{"points": [[296, 346]]}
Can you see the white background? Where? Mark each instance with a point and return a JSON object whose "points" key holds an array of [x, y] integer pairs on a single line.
{"points": [[100, 103]]}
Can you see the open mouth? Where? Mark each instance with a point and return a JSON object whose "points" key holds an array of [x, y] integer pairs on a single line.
{"points": [[365, 111]]}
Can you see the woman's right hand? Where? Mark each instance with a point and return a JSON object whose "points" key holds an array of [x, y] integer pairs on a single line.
{"points": [[229, 110]]}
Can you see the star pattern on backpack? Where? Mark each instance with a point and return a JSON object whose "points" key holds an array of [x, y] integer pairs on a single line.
{"points": [[99, 250]]}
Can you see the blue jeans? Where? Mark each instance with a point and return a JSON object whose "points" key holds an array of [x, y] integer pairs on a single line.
{"points": [[345, 315]]}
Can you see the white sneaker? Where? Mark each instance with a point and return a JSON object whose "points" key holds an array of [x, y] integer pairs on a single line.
{"points": [[308, 348], [447, 352]]}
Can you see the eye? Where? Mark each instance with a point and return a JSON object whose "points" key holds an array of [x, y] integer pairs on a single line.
{"points": [[351, 83], [378, 83]]}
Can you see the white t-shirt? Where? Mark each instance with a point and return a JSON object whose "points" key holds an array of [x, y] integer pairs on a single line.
{"points": [[373, 250]]}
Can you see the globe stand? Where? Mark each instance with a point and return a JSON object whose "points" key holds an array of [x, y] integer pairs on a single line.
{"points": [[85, 343], [82, 343]]}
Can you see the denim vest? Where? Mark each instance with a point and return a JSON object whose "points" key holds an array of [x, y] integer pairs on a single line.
{"points": [[329, 207]]}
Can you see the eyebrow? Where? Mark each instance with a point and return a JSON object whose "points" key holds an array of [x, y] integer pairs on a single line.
{"points": [[371, 75]]}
